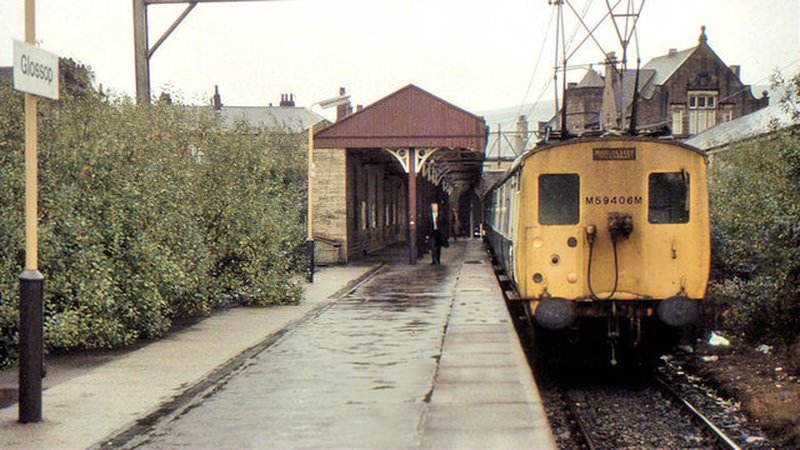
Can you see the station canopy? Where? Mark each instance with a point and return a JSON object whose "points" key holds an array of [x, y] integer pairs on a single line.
{"points": [[414, 118]]}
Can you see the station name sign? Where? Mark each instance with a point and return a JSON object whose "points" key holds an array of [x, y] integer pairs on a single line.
{"points": [[614, 154], [35, 70]]}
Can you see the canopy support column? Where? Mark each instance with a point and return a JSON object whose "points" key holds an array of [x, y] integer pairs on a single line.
{"points": [[412, 206]]}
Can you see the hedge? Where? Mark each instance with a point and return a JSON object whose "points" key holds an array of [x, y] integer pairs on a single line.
{"points": [[755, 211], [147, 215]]}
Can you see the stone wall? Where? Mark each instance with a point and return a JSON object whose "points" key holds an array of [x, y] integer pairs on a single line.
{"points": [[330, 201]]}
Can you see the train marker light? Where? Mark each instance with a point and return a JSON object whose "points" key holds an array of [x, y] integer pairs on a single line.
{"points": [[572, 277]]}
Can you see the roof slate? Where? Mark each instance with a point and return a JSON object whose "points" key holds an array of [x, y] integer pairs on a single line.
{"points": [[664, 66], [274, 118], [591, 79], [762, 121]]}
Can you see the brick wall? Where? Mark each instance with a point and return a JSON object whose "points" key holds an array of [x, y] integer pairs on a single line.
{"points": [[703, 71]]}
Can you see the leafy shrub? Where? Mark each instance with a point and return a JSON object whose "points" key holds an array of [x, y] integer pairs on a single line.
{"points": [[147, 215], [755, 210]]}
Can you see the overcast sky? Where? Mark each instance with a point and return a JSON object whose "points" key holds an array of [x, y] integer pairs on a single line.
{"points": [[478, 55]]}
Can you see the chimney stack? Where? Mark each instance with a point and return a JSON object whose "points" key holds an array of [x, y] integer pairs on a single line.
{"points": [[287, 100], [572, 85], [521, 137], [344, 109], [736, 69], [216, 100], [672, 52], [610, 115]]}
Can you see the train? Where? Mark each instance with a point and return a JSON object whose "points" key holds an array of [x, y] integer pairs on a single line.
{"points": [[604, 235]]}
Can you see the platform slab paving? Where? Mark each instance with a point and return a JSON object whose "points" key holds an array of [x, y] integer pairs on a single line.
{"points": [[484, 394], [79, 411]]}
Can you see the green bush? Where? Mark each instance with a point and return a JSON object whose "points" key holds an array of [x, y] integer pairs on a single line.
{"points": [[755, 211], [147, 215]]}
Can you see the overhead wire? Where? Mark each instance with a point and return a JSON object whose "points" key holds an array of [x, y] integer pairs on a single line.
{"points": [[547, 84], [536, 66]]}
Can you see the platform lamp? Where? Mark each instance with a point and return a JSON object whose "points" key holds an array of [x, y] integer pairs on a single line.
{"points": [[324, 104]]}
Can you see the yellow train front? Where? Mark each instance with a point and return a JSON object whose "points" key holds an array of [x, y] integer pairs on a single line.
{"points": [[612, 231]]}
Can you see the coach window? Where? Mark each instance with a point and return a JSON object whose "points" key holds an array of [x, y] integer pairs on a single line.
{"points": [[559, 199], [669, 197]]}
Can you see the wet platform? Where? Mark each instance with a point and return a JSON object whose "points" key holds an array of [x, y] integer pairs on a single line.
{"points": [[404, 357], [484, 395]]}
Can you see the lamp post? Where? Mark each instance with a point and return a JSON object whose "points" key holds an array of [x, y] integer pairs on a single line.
{"points": [[309, 244]]}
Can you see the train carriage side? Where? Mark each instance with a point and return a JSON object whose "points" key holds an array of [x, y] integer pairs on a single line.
{"points": [[613, 227], [502, 221]]}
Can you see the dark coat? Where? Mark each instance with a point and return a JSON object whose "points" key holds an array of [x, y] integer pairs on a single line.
{"points": [[442, 224]]}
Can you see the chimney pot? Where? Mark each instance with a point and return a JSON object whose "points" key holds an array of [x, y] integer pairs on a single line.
{"points": [[672, 52]]}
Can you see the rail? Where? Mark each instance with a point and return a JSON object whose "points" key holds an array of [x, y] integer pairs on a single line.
{"points": [[722, 439]]}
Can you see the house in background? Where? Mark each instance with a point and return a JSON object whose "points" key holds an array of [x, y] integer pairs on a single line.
{"points": [[758, 126], [683, 92], [286, 117]]}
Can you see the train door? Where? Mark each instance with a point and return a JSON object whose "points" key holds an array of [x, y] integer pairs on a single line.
{"points": [[556, 239], [668, 208]]}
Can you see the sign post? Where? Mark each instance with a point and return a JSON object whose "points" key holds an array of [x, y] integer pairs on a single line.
{"points": [[35, 73]]}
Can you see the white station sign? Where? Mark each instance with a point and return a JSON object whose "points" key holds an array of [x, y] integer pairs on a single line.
{"points": [[35, 70]]}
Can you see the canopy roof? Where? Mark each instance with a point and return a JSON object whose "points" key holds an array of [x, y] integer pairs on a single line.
{"points": [[408, 118]]}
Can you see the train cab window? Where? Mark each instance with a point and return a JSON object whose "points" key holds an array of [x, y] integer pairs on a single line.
{"points": [[559, 199], [669, 197]]}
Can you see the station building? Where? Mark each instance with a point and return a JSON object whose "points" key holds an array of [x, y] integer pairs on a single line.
{"points": [[378, 170], [683, 92]]}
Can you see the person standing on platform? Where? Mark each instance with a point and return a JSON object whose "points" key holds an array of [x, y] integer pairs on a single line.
{"points": [[438, 235]]}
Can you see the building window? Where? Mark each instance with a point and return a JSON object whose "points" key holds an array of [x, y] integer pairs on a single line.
{"points": [[363, 215], [702, 111], [727, 113], [677, 121]]}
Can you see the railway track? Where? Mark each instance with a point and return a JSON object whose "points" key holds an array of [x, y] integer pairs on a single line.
{"points": [[722, 440], [597, 408], [655, 414]]}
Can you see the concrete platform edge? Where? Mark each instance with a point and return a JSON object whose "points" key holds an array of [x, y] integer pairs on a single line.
{"points": [[128, 432]]}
